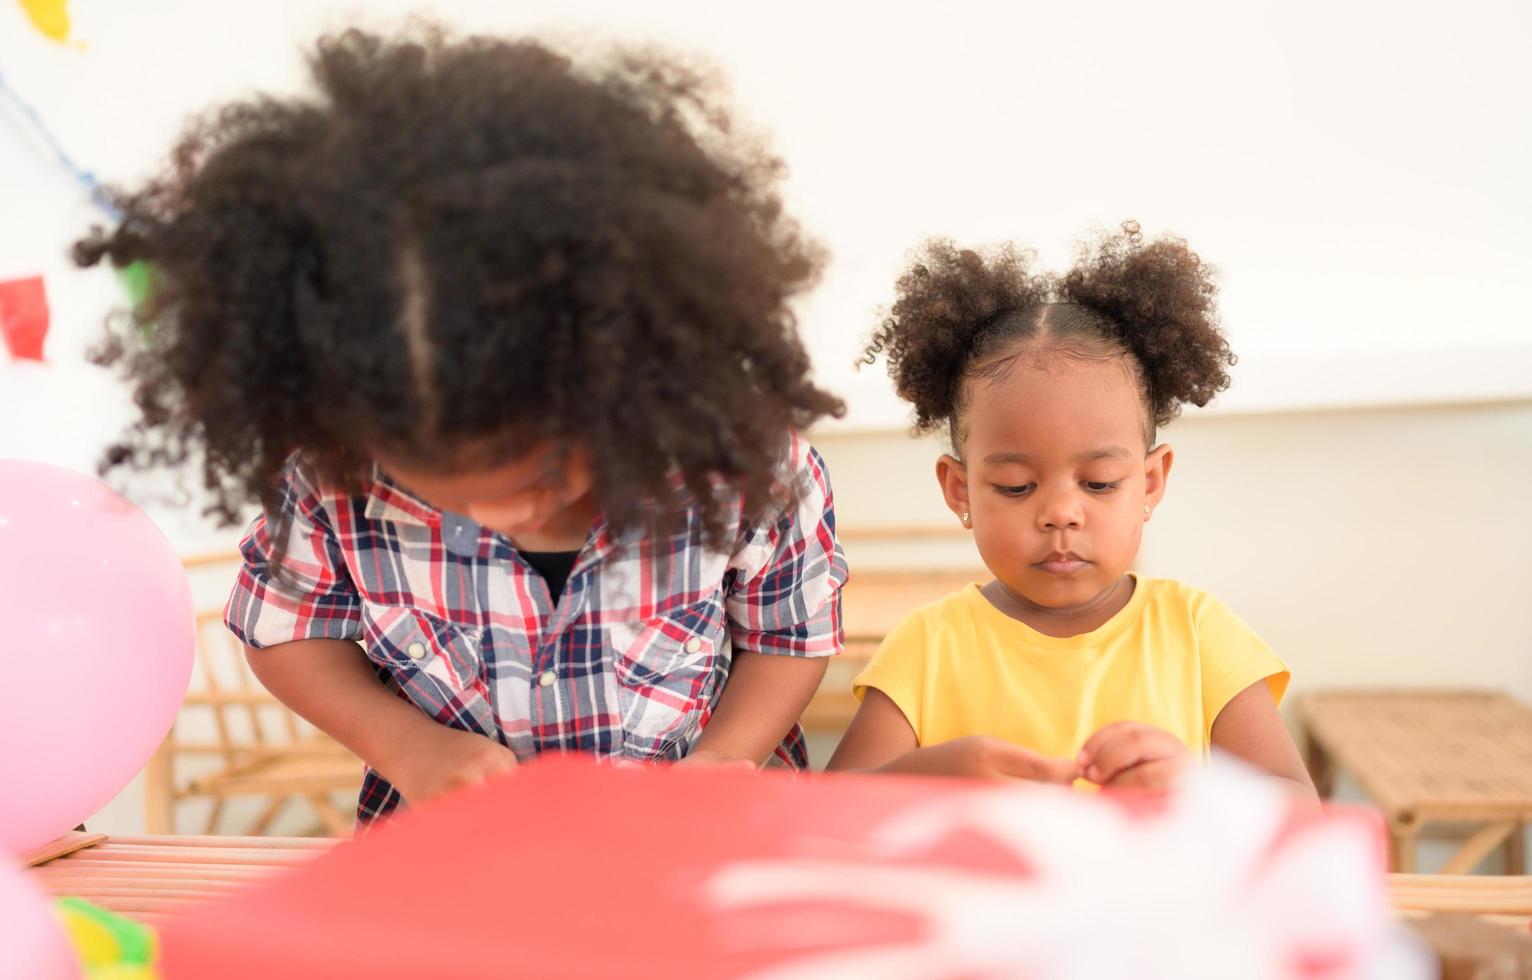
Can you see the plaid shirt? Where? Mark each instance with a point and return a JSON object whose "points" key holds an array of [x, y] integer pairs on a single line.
{"points": [[627, 663]]}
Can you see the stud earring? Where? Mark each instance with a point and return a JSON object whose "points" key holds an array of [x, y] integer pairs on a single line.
{"points": [[965, 519], [1146, 510]]}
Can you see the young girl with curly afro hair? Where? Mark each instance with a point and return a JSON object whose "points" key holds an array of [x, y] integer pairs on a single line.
{"points": [[502, 343], [1067, 665]]}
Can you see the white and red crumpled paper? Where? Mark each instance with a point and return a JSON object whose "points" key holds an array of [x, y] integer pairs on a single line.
{"points": [[1223, 878], [569, 868]]}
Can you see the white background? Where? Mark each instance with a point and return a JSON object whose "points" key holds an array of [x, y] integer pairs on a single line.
{"points": [[1357, 171]]}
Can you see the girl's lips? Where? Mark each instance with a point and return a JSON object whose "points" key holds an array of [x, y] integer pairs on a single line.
{"points": [[1063, 565]]}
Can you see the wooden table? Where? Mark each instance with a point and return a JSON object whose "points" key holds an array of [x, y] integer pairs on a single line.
{"points": [[1430, 757], [151, 879]]}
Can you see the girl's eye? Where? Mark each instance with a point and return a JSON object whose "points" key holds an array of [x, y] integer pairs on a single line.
{"points": [[1098, 486], [1020, 491]]}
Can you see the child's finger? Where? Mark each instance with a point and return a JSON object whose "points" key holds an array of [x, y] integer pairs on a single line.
{"points": [[1102, 735], [1127, 747], [1157, 774], [1020, 763]]}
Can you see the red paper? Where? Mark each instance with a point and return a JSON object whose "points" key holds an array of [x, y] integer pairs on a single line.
{"points": [[24, 317], [570, 868]]}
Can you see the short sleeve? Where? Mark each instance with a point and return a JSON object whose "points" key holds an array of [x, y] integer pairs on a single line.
{"points": [[898, 669], [1233, 658], [789, 568], [312, 596]]}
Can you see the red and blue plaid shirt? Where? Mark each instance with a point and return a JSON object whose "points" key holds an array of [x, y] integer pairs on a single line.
{"points": [[627, 663]]}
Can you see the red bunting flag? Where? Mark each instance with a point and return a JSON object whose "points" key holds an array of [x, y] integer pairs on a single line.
{"points": [[24, 317]]}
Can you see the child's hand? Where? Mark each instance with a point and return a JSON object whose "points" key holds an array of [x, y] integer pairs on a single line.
{"points": [[1130, 754], [983, 757], [447, 759]]}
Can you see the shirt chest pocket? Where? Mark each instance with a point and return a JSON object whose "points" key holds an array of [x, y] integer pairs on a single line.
{"points": [[430, 658], [668, 670], [412, 566]]}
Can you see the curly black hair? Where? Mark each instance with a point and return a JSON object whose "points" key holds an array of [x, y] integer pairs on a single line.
{"points": [[469, 245], [964, 313]]}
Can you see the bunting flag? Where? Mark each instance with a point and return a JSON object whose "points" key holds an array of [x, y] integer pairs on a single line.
{"points": [[137, 280], [50, 17], [24, 317]]}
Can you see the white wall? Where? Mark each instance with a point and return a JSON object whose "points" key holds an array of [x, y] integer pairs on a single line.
{"points": [[1356, 169], [1368, 547]]}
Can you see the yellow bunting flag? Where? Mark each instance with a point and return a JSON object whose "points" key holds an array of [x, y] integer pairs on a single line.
{"points": [[49, 16]]}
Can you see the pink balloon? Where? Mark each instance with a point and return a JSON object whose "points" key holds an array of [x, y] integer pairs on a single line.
{"points": [[32, 941], [96, 641]]}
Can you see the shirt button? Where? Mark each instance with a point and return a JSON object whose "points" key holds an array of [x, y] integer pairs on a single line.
{"points": [[547, 678], [416, 650], [693, 645]]}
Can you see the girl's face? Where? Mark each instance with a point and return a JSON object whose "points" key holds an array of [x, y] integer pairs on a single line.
{"points": [[1056, 477], [534, 497]]}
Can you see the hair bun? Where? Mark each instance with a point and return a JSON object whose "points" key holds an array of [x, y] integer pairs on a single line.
{"points": [[1161, 297], [942, 303]]}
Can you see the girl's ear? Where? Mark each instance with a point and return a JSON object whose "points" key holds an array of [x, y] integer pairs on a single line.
{"points": [[1156, 473], [953, 477]]}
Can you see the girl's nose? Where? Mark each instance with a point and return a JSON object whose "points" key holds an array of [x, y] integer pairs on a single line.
{"points": [[1060, 511]]}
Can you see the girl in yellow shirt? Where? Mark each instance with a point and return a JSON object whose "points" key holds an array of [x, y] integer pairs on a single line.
{"points": [[1066, 665]]}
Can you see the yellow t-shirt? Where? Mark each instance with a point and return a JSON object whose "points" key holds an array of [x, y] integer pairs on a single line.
{"points": [[1172, 657]]}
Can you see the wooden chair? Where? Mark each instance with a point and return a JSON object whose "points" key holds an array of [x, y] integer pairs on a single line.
{"points": [[258, 747], [873, 602]]}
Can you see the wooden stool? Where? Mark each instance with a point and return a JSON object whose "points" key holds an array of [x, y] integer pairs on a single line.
{"points": [[1430, 757]]}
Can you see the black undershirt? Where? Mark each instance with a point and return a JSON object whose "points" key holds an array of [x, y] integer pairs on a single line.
{"points": [[553, 566]]}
